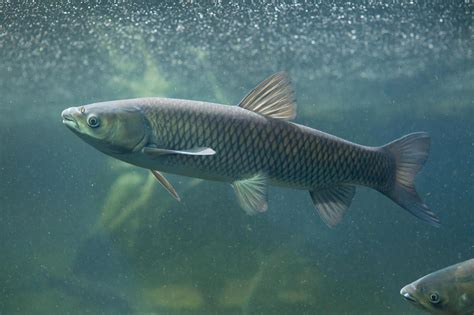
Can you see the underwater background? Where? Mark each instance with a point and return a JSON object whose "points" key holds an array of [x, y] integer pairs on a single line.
{"points": [[81, 232]]}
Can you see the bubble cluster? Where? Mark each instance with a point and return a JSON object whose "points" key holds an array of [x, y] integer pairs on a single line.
{"points": [[68, 43]]}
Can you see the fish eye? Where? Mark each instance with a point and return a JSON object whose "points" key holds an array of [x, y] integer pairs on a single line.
{"points": [[93, 121], [434, 298]]}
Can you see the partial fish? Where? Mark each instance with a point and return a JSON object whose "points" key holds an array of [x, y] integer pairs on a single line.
{"points": [[253, 145], [449, 291]]}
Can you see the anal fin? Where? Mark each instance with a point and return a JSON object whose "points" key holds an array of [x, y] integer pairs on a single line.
{"points": [[165, 183], [332, 202], [252, 193]]}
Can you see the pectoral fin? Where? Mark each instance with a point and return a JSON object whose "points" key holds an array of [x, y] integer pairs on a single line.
{"points": [[163, 181], [155, 152], [252, 193], [331, 203]]}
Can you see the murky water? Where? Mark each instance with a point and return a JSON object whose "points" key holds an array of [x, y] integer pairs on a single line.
{"points": [[83, 233]]}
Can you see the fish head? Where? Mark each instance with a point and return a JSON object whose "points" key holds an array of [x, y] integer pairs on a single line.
{"points": [[111, 127], [436, 293]]}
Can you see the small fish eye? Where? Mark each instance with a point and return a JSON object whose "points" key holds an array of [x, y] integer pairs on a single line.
{"points": [[93, 121], [434, 298]]}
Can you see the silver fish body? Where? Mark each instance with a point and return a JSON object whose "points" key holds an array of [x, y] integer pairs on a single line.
{"points": [[247, 143], [252, 145], [449, 291]]}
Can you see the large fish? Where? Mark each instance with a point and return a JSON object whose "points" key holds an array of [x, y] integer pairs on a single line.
{"points": [[251, 146], [449, 291]]}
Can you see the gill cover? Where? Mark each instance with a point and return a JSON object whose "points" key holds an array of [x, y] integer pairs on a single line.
{"points": [[126, 130], [111, 129]]}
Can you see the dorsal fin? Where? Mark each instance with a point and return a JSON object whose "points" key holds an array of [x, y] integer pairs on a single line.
{"points": [[273, 97]]}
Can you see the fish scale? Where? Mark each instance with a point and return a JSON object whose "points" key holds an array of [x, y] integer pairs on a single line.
{"points": [[247, 143], [251, 146]]}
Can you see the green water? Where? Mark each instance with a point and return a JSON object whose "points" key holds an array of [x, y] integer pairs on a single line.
{"points": [[83, 233]]}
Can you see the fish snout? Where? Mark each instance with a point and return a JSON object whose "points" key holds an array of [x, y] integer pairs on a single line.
{"points": [[69, 117], [407, 293]]}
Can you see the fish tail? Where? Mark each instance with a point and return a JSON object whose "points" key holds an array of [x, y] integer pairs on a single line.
{"points": [[409, 153]]}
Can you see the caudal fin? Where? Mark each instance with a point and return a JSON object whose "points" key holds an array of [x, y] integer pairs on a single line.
{"points": [[410, 153]]}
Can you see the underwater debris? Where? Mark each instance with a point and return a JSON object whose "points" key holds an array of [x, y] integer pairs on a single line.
{"points": [[175, 297], [122, 201], [282, 274], [147, 79]]}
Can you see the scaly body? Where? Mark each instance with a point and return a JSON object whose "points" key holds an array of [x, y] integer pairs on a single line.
{"points": [[252, 145], [247, 143]]}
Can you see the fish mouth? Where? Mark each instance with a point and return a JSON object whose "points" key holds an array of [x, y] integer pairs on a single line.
{"points": [[407, 296], [68, 119]]}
